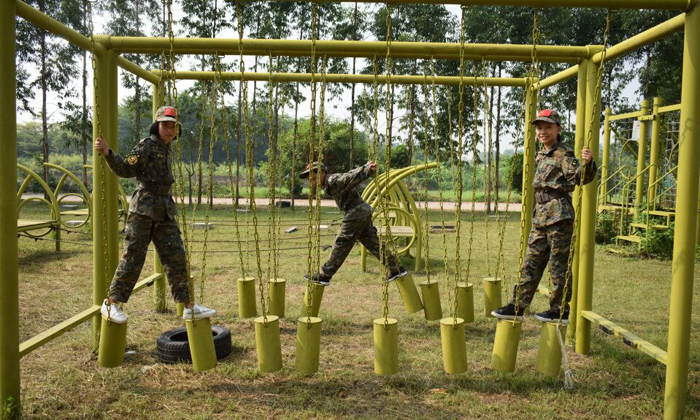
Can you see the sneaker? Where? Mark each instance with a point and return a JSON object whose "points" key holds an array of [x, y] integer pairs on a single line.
{"points": [[508, 312], [395, 275], [553, 316], [318, 279], [113, 312], [200, 312]]}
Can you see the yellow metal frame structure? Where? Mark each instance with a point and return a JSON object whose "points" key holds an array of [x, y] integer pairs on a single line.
{"points": [[587, 59]]}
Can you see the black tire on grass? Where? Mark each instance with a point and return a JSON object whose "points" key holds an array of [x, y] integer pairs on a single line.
{"points": [[173, 347]]}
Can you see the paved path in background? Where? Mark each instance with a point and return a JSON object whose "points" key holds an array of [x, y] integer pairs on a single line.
{"points": [[300, 202]]}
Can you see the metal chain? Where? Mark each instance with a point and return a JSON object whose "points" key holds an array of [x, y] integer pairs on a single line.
{"points": [[311, 269], [426, 152], [271, 172], [487, 159], [103, 199], [436, 138], [589, 137], [319, 185], [229, 165], [387, 167], [475, 142], [460, 152]]}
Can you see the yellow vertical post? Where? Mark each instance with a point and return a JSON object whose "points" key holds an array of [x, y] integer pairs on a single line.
{"points": [[588, 216], [580, 140], [106, 95], [528, 194], [681, 307], [159, 293], [655, 151], [9, 293], [641, 158], [605, 164]]}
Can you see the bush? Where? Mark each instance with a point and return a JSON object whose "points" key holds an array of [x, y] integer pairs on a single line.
{"points": [[659, 243], [607, 227]]}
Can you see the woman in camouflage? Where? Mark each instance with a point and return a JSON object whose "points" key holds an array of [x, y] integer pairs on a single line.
{"points": [[151, 218], [557, 174]]}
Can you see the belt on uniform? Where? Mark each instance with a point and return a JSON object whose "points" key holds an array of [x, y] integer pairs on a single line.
{"points": [[154, 188], [547, 196]]}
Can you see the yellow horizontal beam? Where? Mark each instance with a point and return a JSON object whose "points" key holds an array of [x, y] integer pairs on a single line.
{"points": [[346, 78], [634, 43], [133, 68], [669, 108], [628, 338], [558, 77], [635, 114], [57, 330], [612, 4], [50, 24], [343, 48]]}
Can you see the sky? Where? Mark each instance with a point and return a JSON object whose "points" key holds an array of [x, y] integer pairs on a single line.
{"points": [[335, 107]]}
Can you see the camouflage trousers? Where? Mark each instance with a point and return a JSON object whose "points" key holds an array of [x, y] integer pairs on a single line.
{"points": [[546, 245], [140, 231], [356, 226]]}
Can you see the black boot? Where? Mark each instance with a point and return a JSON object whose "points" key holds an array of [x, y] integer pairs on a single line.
{"points": [[508, 312]]}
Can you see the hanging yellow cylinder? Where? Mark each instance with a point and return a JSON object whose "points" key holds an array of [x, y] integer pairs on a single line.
{"points": [[277, 295], [431, 300], [267, 342], [454, 345], [112, 343], [201, 341], [549, 352], [180, 308], [492, 295], [316, 296], [308, 344], [505, 347], [386, 346], [465, 302], [409, 294], [246, 298]]}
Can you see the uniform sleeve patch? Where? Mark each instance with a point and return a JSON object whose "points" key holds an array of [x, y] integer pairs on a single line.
{"points": [[132, 158]]}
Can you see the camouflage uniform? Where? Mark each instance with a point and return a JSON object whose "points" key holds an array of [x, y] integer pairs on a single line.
{"points": [[151, 218], [357, 221], [558, 172]]}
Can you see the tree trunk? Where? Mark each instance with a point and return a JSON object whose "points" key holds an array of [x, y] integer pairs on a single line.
{"points": [[412, 114], [137, 111]]}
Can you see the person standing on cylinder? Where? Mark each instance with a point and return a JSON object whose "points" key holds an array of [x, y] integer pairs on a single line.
{"points": [[557, 174], [151, 218]]}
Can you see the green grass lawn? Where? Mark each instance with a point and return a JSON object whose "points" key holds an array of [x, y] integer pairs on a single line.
{"points": [[62, 380]]}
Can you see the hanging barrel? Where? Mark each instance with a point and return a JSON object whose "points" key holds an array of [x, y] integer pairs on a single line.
{"points": [[465, 302], [386, 346], [180, 308], [549, 352], [454, 345], [201, 342], [492, 295], [316, 297], [277, 295], [505, 347], [267, 342], [112, 343], [409, 294], [246, 298], [431, 300], [308, 344]]}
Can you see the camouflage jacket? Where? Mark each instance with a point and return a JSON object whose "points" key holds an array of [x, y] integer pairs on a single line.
{"points": [[342, 187], [558, 172], [150, 162]]}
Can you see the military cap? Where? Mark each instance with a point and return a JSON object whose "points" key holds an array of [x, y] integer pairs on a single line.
{"points": [[166, 113], [547, 115], [312, 167]]}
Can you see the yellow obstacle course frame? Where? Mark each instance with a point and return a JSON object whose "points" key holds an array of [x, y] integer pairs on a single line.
{"points": [[108, 60]]}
